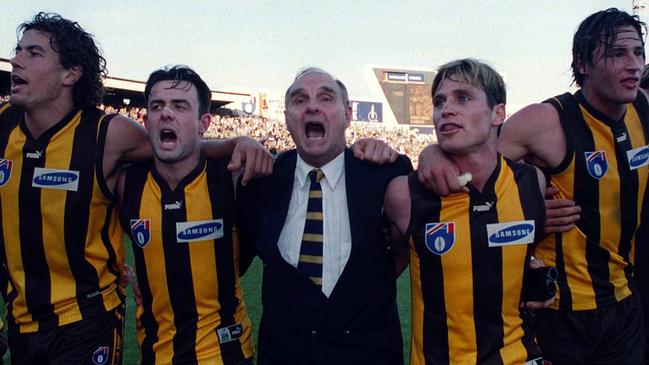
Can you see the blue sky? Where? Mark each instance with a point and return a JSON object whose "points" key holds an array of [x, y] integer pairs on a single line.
{"points": [[249, 45]]}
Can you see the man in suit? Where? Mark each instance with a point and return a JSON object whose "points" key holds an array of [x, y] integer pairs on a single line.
{"points": [[329, 293]]}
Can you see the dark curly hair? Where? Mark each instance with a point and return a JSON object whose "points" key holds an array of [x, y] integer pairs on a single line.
{"points": [[600, 28], [75, 47]]}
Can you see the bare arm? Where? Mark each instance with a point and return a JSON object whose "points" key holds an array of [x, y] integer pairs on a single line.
{"points": [[244, 152], [534, 133], [126, 141], [397, 210]]}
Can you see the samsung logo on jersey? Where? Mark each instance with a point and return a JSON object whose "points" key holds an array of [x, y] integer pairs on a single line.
{"points": [[510, 233], [199, 230], [56, 179], [638, 157]]}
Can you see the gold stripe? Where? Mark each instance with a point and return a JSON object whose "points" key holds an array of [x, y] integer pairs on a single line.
{"points": [[312, 237], [315, 194], [514, 259], [314, 215], [311, 259], [316, 280]]}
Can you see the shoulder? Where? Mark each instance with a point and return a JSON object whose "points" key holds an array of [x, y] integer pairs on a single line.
{"points": [[285, 158], [533, 116], [525, 173], [401, 166]]}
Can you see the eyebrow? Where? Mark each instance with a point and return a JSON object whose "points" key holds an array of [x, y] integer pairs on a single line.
{"points": [[175, 101], [328, 89], [295, 92], [31, 47]]}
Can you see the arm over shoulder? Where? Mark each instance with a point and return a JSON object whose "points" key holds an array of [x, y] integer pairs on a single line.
{"points": [[534, 133]]}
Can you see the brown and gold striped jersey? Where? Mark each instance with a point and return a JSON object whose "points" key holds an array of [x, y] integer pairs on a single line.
{"points": [[469, 256], [186, 257], [605, 172], [61, 243]]}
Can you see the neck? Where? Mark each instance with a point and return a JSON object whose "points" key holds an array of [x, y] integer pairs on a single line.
{"points": [[611, 109], [480, 164], [40, 119], [174, 172]]}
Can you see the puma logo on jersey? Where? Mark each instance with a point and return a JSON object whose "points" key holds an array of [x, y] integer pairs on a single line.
{"points": [[484, 207], [172, 206], [35, 155]]}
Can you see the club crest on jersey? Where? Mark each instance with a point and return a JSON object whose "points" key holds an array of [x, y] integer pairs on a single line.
{"points": [[100, 356], [440, 237], [199, 230], [5, 171], [141, 231], [510, 233], [638, 157], [596, 164], [56, 179]]}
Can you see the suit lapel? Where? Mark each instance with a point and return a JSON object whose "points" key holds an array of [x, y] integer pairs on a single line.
{"points": [[273, 214]]}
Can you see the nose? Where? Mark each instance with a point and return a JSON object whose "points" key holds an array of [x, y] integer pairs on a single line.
{"points": [[635, 62], [446, 109], [14, 61], [166, 112], [313, 106]]}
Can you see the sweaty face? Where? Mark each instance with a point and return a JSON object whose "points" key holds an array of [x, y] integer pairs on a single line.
{"points": [[317, 118], [615, 77], [462, 117], [175, 128], [37, 76]]}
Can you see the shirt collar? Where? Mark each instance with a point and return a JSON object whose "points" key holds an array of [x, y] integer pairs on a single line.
{"points": [[333, 170]]}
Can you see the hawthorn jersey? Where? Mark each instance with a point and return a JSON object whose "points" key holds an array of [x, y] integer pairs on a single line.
{"points": [[61, 245], [186, 257], [469, 256], [605, 172]]}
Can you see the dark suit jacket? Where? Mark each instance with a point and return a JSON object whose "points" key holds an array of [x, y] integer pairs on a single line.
{"points": [[358, 323]]}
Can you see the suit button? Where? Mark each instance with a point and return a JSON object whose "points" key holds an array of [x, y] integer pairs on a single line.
{"points": [[314, 333]]}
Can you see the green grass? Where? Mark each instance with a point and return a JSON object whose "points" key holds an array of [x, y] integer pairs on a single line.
{"points": [[251, 283]]}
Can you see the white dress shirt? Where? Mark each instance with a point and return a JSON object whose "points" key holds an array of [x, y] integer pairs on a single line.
{"points": [[337, 237]]}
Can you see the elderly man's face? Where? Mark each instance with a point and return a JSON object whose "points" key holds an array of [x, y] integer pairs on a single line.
{"points": [[317, 118]]}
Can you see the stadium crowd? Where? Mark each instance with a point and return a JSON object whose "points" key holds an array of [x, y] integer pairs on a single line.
{"points": [[275, 137]]}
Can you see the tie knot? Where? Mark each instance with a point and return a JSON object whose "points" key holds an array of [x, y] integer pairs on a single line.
{"points": [[316, 175]]}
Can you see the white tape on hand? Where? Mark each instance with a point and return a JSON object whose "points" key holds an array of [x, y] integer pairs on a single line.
{"points": [[464, 179]]}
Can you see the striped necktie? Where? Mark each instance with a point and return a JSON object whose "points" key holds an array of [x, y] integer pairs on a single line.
{"points": [[311, 250]]}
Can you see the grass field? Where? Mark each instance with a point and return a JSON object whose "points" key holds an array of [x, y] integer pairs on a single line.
{"points": [[251, 283]]}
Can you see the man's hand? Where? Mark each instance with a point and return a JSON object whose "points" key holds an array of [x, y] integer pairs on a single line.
{"points": [[374, 151], [536, 264], [437, 172], [125, 277], [561, 213], [137, 294], [253, 157]]}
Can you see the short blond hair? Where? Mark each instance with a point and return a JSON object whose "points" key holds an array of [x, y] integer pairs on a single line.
{"points": [[476, 73]]}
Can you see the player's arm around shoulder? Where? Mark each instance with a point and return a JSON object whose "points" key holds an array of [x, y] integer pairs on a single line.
{"points": [[397, 210], [534, 133], [126, 141], [245, 154]]}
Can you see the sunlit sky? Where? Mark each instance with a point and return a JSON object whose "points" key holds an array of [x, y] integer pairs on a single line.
{"points": [[248, 45]]}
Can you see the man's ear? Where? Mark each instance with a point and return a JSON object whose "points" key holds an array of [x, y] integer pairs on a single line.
{"points": [[498, 115], [72, 75], [348, 115], [204, 123], [582, 67]]}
